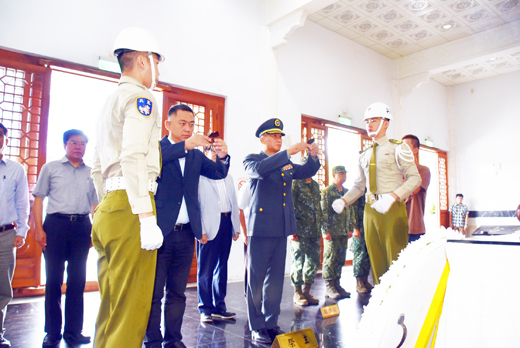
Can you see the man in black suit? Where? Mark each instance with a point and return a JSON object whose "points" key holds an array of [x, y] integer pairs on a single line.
{"points": [[178, 216], [271, 221]]}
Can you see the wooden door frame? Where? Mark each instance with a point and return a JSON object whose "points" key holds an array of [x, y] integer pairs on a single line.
{"points": [[34, 118], [442, 170]]}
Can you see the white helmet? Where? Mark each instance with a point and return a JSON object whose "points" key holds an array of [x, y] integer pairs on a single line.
{"points": [[137, 39], [378, 110]]}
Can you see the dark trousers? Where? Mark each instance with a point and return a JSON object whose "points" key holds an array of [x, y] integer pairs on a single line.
{"points": [[173, 269], [245, 270], [265, 280], [67, 241], [212, 270], [414, 237], [7, 264]]}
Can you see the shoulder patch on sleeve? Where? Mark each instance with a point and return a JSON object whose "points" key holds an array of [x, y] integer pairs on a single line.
{"points": [[398, 142], [144, 106]]}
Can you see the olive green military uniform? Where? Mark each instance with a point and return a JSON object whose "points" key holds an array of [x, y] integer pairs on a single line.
{"points": [[128, 132], [334, 250], [361, 261], [386, 234], [306, 250]]}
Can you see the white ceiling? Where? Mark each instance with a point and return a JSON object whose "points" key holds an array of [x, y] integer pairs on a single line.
{"points": [[397, 28], [480, 70]]}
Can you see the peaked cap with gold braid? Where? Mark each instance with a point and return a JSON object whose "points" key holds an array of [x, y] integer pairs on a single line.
{"points": [[271, 126]]}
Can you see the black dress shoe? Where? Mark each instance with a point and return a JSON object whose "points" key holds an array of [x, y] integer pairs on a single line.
{"points": [[274, 332], [224, 315], [4, 343], [51, 340], [261, 336], [76, 338]]}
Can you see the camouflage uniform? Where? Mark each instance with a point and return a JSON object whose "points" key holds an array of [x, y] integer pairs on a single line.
{"points": [[306, 250], [361, 260], [335, 250]]}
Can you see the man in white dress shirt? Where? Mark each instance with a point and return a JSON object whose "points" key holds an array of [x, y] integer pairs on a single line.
{"points": [[220, 222]]}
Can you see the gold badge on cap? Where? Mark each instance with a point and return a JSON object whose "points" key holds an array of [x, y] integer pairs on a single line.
{"points": [[277, 123]]}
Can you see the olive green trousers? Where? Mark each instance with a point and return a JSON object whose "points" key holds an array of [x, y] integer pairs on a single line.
{"points": [[386, 235], [126, 274]]}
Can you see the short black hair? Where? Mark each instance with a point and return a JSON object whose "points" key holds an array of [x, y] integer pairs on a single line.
{"points": [[72, 132], [459, 195], [173, 110], [415, 141], [126, 58], [4, 128]]}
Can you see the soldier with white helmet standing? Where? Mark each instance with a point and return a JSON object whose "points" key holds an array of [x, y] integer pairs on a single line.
{"points": [[126, 165], [382, 168]]}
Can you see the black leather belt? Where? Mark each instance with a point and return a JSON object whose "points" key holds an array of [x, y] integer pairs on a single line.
{"points": [[226, 214], [71, 217], [180, 227], [6, 227]]}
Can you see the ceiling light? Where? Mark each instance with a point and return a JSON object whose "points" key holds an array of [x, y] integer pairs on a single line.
{"points": [[446, 26], [492, 59], [418, 5]]}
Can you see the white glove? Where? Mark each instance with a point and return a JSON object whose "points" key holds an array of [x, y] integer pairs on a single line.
{"points": [[151, 235], [338, 205], [384, 203]]}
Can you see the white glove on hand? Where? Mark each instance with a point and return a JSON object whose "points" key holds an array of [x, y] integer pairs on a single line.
{"points": [[151, 235], [338, 205], [384, 203]]}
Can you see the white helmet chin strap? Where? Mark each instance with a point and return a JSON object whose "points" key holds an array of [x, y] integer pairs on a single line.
{"points": [[374, 134], [152, 67]]}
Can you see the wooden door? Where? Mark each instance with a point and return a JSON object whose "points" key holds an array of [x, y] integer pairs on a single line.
{"points": [[24, 108], [313, 129], [366, 142], [443, 190], [209, 116]]}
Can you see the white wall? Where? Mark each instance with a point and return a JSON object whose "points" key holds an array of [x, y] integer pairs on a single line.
{"points": [[486, 122], [425, 114], [322, 74]]}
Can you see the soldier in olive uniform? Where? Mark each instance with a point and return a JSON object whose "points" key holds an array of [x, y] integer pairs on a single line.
{"points": [[358, 246], [335, 234], [126, 164], [389, 172], [305, 245]]}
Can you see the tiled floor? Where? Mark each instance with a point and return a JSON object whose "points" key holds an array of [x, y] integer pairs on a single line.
{"points": [[25, 318]]}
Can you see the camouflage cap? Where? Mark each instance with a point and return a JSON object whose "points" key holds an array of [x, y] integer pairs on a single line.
{"points": [[338, 169]]}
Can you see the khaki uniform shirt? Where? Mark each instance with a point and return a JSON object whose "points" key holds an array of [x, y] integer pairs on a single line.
{"points": [[393, 163], [128, 131]]}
